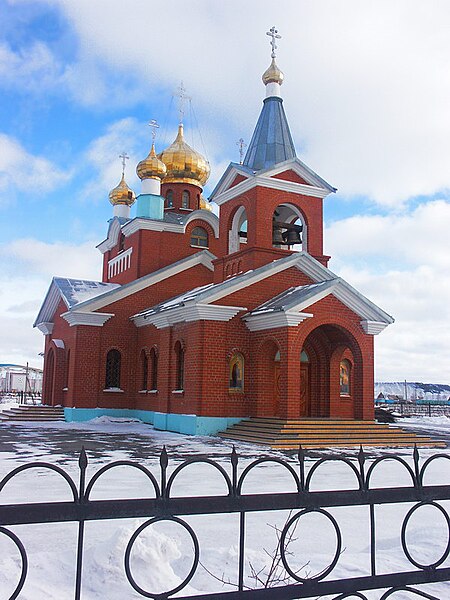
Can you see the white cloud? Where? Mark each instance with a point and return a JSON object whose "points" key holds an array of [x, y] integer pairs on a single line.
{"points": [[366, 89], [27, 268], [20, 170], [33, 67], [414, 289]]}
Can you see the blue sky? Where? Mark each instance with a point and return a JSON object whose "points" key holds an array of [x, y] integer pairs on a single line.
{"points": [[367, 95]]}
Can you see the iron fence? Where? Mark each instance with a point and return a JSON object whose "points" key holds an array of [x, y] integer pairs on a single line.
{"points": [[165, 507]]}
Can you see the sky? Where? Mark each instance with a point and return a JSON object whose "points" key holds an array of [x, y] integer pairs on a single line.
{"points": [[367, 96]]}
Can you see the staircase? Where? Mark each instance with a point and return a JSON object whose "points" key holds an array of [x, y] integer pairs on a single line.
{"points": [[33, 413], [324, 433]]}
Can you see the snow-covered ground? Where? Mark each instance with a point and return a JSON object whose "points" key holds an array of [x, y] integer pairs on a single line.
{"points": [[162, 555]]}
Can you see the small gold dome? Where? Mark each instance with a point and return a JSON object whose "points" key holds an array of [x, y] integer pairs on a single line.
{"points": [[184, 164], [204, 204], [122, 194], [151, 167], [273, 74]]}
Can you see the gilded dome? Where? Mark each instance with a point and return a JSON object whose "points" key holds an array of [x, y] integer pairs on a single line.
{"points": [[184, 164], [151, 167], [122, 194], [204, 204], [273, 74]]}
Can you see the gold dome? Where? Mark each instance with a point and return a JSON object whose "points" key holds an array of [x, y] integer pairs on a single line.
{"points": [[151, 167], [204, 204], [122, 194], [273, 74], [184, 164]]}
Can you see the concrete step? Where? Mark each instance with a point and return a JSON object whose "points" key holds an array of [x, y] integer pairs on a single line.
{"points": [[324, 433], [33, 413]]}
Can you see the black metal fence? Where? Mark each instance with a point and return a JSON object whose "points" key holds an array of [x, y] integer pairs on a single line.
{"points": [[409, 409], [164, 506]]}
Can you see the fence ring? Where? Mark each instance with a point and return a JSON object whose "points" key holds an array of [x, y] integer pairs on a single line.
{"points": [[333, 563], [403, 536], [189, 576], [23, 556]]}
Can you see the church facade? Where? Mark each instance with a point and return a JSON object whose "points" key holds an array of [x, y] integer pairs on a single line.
{"points": [[199, 320]]}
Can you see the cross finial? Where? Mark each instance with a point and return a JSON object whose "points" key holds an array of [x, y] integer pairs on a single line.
{"points": [[182, 97], [241, 145], [154, 125], [124, 156], [273, 33]]}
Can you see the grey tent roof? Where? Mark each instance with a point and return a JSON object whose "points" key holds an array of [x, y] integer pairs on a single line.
{"points": [[272, 141]]}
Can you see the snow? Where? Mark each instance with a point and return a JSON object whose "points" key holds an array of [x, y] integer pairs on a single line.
{"points": [[162, 554]]}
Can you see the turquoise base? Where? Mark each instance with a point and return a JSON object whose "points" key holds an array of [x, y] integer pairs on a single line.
{"points": [[187, 424], [150, 206]]}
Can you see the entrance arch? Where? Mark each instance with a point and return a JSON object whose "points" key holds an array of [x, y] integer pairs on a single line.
{"points": [[49, 378], [322, 394]]}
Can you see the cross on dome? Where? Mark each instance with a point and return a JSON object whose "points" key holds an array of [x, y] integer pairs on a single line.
{"points": [[124, 156], [154, 126], [273, 33], [241, 145], [182, 97]]}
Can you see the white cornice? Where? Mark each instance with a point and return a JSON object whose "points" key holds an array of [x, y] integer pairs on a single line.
{"points": [[45, 328], [138, 224], [204, 215], [188, 313], [112, 237], [272, 183], [273, 320], [86, 318], [373, 327]]}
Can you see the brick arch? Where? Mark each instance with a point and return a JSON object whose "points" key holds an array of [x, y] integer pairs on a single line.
{"points": [[327, 345], [54, 375], [238, 211]]}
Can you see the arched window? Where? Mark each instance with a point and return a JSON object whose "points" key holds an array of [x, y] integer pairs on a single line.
{"points": [[112, 375], [121, 243], [179, 352], [344, 377], [185, 199], [154, 369], [144, 370], [236, 372], [199, 237], [304, 358], [169, 199]]}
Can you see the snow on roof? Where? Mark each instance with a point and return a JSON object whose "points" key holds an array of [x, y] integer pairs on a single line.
{"points": [[175, 301], [75, 291], [290, 296]]}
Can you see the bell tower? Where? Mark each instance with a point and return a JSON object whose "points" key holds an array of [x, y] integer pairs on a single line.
{"points": [[271, 204]]}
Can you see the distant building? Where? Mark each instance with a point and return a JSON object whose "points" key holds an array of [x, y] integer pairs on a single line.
{"points": [[19, 378], [200, 321]]}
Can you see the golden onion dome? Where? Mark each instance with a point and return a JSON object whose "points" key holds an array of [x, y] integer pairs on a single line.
{"points": [[122, 194], [273, 74], [184, 164], [204, 204], [151, 167]]}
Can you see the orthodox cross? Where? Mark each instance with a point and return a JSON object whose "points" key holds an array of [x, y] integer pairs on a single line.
{"points": [[273, 33], [182, 97], [124, 156], [154, 125], [241, 145]]}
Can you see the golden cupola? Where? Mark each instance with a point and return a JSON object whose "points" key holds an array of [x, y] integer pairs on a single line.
{"points": [[122, 194], [204, 204], [273, 74], [151, 167], [184, 164]]}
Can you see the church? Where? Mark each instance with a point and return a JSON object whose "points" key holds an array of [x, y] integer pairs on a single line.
{"points": [[201, 321]]}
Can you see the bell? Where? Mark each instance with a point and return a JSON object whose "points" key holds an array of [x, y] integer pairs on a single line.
{"points": [[277, 237], [292, 237]]}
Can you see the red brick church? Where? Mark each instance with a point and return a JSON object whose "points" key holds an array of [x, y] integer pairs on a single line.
{"points": [[201, 320]]}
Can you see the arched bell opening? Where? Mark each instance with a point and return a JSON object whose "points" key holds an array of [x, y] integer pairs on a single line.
{"points": [[288, 228], [237, 235], [331, 372]]}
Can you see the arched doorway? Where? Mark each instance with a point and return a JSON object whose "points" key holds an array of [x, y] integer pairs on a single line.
{"points": [[327, 352], [305, 393]]}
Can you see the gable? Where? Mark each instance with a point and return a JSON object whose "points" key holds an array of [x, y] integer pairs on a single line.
{"points": [[290, 175], [237, 179]]}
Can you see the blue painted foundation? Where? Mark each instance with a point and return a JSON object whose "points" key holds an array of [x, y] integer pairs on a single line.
{"points": [[187, 424], [150, 206]]}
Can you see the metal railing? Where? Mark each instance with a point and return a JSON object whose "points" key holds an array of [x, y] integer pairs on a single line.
{"points": [[303, 501]]}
